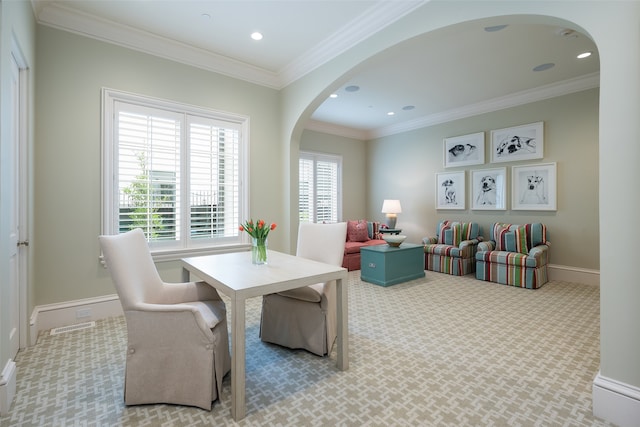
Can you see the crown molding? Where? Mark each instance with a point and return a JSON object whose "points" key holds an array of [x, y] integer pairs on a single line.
{"points": [[373, 20], [377, 17], [337, 130], [565, 87], [57, 16]]}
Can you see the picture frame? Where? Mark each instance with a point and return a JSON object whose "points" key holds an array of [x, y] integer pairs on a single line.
{"points": [[489, 189], [465, 150], [450, 190], [524, 142], [534, 187]]}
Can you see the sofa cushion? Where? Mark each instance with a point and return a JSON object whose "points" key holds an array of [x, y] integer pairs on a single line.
{"points": [[511, 258], [439, 249], [353, 247], [311, 293], [357, 231]]}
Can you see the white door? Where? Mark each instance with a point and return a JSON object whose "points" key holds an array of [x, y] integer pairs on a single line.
{"points": [[16, 211]]}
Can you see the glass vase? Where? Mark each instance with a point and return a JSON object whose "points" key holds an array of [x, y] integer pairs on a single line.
{"points": [[258, 251]]}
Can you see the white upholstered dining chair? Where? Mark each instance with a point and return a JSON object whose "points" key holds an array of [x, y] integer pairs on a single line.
{"points": [[306, 318], [177, 338]]}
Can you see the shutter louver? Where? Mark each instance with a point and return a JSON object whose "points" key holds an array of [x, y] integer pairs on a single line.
{"points": [[327, 192], [148, 174], [319, 188], [176, 171], [306, 191], [214, 179]]}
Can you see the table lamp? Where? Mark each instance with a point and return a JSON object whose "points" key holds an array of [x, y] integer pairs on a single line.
{"points": [[391, 208]]}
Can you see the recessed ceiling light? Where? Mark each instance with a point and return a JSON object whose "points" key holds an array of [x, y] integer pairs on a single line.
{"points": [[333, 95], [205, 16], [352, 88], [543, 67], [256, 36], [391, 113], [408, 107], [495, 28], [584, 55]]}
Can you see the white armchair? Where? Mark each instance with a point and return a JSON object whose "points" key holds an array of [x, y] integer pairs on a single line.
{"points": [[178, 345], [306, 317]]}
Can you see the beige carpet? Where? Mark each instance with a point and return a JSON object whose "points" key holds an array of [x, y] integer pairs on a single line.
{"points": [[438, 351]]}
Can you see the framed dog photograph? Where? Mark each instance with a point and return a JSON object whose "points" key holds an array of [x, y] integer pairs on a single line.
{"points": [[450, 190], [489, 189], [534, 187], [464, 150], [524, 142]]}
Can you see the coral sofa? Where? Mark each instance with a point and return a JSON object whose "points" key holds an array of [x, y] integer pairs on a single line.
{"points": [[453, 250], [359, 233], [516, 255]]}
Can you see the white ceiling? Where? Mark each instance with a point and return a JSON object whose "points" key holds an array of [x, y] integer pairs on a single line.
{"points": [[446, 74]]}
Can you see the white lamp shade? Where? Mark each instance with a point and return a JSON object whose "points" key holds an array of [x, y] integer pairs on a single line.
{"points": [[391, 206]]}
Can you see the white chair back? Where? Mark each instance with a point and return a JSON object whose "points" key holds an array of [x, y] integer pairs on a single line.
{"points": [[129, 261], [322, 242]]}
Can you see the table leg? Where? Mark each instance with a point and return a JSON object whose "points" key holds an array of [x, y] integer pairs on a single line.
{"points": [[238, 407], [186, 276], [343, 325]]}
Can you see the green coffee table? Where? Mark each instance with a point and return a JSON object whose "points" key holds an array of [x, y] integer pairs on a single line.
{"points": [[385, 265]]}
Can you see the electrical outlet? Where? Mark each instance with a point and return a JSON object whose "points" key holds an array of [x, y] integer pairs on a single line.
{"points": [[83, 312]]}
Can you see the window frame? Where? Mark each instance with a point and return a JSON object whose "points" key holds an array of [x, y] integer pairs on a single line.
{"points": [[315, 157], [185, 246]]}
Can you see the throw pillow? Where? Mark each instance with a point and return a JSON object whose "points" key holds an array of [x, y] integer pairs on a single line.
{"points": [[442, 228], [357, 231], [500, 232], [521, 240], [374, 230], [467, 231], [456, 237]]}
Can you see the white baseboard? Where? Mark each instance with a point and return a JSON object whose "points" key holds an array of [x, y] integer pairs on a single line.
{"points": [[616, 402], [573, 274], [50, 316], [7, 386]]}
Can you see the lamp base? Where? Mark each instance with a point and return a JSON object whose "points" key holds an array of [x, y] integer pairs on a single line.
{"points": [[391, 221]]}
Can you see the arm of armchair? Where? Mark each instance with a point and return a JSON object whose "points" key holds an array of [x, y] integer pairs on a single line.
{"points": [[471, 242], [176, 293], [429, 241], [540, 253], [484, 246], [153, 323]]}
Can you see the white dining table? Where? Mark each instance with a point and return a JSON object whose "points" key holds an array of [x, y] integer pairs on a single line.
{"points": [[234, 275]]}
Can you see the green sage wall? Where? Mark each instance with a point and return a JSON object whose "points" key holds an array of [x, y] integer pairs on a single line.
{"points": [[72, 70], [403, 166]]}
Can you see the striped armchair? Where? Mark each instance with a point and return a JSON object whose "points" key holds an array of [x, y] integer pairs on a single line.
{"points": [[516, 255], [453, 249]]}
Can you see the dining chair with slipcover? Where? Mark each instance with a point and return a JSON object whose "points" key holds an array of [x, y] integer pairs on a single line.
{"points": [[177, 338], [306, 318]]}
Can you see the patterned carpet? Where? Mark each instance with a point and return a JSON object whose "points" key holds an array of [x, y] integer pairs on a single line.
{"points": [[438, 351]]}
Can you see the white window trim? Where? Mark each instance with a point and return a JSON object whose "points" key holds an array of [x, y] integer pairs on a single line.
{"points": [[314, 155], [109, 180]]}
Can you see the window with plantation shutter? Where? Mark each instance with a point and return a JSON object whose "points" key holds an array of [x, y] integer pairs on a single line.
{"points": [[319, 188], [174, 171]]}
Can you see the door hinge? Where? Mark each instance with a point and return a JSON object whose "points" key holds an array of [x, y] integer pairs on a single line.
{"points": [[23, 243]]}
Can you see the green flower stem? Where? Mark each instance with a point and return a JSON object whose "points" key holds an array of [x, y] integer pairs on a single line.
{"points": [[259, 250]]}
